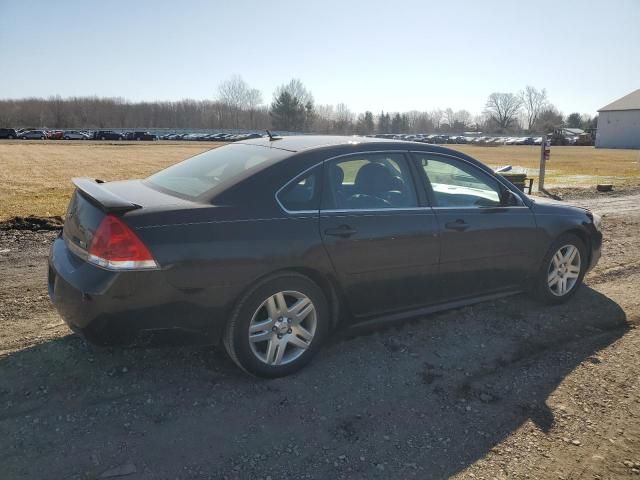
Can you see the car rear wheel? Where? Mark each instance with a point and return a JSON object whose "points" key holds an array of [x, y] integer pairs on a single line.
{"points": [[102, 138], [278, 326], [562, 270]]}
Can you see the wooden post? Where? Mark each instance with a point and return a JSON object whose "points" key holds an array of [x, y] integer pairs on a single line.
{"points": [[543, 162]]}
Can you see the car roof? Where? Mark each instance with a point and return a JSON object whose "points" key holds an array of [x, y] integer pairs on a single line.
{"points": [[298, 143]]}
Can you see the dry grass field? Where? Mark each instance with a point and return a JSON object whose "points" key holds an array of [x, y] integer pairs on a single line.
{"points": [[35, 176], [569, 166]]}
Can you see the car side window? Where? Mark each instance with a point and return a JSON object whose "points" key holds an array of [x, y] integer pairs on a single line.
{"points": [[369, 182], [456, 184], [303, 193]]}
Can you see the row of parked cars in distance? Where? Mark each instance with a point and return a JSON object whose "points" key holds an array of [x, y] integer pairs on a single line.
{"points": [[210, 137], [43, 134], [463, 139]]}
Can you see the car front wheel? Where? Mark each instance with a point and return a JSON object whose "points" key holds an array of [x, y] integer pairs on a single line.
{"points": [[278, 326], [562, 270]]}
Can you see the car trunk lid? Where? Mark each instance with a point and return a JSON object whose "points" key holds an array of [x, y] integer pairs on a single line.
{"points": [[93, 200]]}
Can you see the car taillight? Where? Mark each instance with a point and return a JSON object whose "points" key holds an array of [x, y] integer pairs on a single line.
{"points": [[116, 247]]}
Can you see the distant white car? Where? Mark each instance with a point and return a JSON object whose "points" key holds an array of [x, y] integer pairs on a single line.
{"points": [[75, 135]]}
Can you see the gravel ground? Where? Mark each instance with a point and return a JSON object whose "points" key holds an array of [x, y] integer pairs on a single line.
{"points": [[503, 389]]}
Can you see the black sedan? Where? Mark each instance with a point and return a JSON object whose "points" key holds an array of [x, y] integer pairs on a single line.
{"points": [[107, 135], [267, 245]]}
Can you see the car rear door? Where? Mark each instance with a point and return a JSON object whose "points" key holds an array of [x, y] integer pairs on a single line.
{"points": [[488, 235], [382, 241]]}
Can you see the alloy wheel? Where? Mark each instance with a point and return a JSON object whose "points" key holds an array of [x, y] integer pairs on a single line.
{"points": [[282, 328], [564, 270]]}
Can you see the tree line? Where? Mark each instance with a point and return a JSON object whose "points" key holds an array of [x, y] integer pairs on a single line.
{"points": [[239, 106]]}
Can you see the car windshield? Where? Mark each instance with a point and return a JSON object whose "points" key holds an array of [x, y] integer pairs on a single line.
{"points": [[197, 175]]}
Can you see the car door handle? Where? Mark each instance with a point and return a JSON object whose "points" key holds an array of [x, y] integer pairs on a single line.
{"points": [[459, 225], [342, 231]]}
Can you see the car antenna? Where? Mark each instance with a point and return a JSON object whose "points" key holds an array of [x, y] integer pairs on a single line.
{"points": [[272, 137]]}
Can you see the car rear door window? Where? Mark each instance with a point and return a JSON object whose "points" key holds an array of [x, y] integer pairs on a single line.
{"points": [[302, 194], [455, 184], [369, 181]]}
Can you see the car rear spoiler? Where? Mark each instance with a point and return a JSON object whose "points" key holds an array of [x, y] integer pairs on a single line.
{"points": [[106, 200]]}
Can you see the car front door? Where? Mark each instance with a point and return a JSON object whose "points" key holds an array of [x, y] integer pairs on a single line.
{"points": [[382, 241], [488, 233]]}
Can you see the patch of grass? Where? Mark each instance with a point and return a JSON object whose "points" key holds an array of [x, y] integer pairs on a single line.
{"points": [[35, 177], [568, 166]]}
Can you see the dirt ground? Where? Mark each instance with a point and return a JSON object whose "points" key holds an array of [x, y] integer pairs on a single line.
{"points": [[501, 390]]}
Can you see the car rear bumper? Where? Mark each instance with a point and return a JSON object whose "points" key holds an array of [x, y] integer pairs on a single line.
{"points": [[110, 308]]}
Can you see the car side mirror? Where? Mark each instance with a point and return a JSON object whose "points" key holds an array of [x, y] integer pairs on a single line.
{"points": [[510, 199]]}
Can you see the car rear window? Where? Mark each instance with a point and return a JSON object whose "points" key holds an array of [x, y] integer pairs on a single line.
{"points": [[197, 175]]}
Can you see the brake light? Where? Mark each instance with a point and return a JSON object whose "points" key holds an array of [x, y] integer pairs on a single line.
{"points": [[115, 246]]}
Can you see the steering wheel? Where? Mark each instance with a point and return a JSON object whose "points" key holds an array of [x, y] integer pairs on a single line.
{"points": [[485, 202], [362, 200]]}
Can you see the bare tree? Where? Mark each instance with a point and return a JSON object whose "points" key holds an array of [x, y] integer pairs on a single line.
{"points": [[449, 117], [436, 118], [533, 102], [343, 119], [254, 100], [463, 118], [503, 108], [296, 89], [479, 122], [234, 93]]}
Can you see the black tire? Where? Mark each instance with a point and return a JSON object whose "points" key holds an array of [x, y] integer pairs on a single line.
{"points": [[11, 137], [102, 138], [540, 288], [236, 336]]}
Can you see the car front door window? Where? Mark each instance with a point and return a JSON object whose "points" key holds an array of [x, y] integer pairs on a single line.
{"points": [[459, 186]]}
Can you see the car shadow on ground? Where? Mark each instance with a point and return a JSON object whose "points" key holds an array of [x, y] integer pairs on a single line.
{"points": [[425, 398]]}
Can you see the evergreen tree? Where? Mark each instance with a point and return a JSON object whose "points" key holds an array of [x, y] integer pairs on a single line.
{"points": [[287, 113], [368, 122], [292, 108], [384, 123], [396, 124], [574, 121]]}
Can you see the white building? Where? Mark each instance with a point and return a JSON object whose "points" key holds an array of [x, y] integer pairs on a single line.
{"points": [[619, 123]]}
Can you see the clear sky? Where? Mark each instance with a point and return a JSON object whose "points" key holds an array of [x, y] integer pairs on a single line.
{"points": [[392, 55]]}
